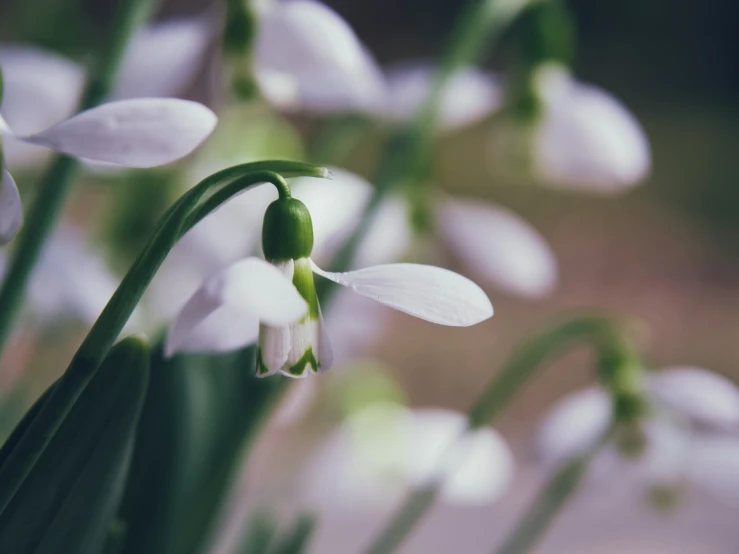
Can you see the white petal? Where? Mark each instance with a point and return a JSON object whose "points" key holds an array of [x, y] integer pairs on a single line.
{"points": [[145, 132], [164, 58], [573, 425], [588, 140], [40, 89], [274, 349], [307, 57], [252, 287], [480, 471], [11, 211], [715, 466], [499, 246], [471, 94], [71, 279], [701, 395], [226, 329], [427, 292]]}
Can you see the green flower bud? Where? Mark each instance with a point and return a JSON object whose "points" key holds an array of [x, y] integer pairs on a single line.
{"points": [[287, 232]]}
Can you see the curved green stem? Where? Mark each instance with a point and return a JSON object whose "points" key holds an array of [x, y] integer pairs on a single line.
{"points": [[602, 333], [116, 313], [555, 494], [56, 183]]}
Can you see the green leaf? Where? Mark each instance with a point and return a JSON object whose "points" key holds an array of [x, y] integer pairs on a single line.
{"points": [[69, 499], [200, 416]]}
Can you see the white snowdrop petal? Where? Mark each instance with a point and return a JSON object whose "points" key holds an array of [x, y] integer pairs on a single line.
{"points": [[226, 329], [701, 395], [307, 57], [587, 139], [427, 292], [145, 132], [573, 425], [471, 94], [11, 211], [715, 467], [499, 246], [274, 349], [252, 287], [164, 58]]}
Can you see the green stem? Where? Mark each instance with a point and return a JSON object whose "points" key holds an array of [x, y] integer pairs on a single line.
{"points": [[116, 313], [405, 155], [57, 181], [523, 364], [558, 490]]}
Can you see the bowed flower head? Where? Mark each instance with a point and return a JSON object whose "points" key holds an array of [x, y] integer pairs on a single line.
{"points": [[275, 300]]}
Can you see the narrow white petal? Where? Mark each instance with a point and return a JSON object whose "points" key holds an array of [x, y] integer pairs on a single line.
{"points": [[499, 246], [40, 89], [11, 211], [164, 58], [471, 94], [701, 395], [573, 425], [274, 349], [145, 132], [303, 349], [427, 292], [307, 57], [252, 287], [587, 139]]}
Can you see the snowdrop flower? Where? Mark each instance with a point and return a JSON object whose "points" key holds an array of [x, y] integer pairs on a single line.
{"points": [[686, 439], [583, 139], [130, 133], [275, 300], [308, 58], [42, 88], [384, 449], [71, 280]]}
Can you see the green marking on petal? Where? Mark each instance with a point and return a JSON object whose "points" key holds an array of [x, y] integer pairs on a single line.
{"points": [[306, 359], [303, 281], [262, 370]]}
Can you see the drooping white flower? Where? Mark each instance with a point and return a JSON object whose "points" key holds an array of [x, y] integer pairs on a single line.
{"points": [[384, 449], [583, 139], [695, 424], [308, 58], [130, 133], [290, 347]]}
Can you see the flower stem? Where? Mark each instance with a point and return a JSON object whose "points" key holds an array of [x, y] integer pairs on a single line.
{"points": [[57, 181], [404, 157], [599, 332], [558, 490]]}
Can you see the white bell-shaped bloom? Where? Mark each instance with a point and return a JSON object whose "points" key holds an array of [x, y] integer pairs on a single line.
{"points": [[144, 132], [471, 94], [431, 293], [70, 281], [308, 58], [584, 139], [684, 440], [384, 449]]}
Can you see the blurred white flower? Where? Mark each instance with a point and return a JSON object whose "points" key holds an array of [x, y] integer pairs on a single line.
{"points": [[384, 449], [131, 133], [693, 435], [261, 300], [584, 139], [42, 88], [71, 280], [308, 58]]}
